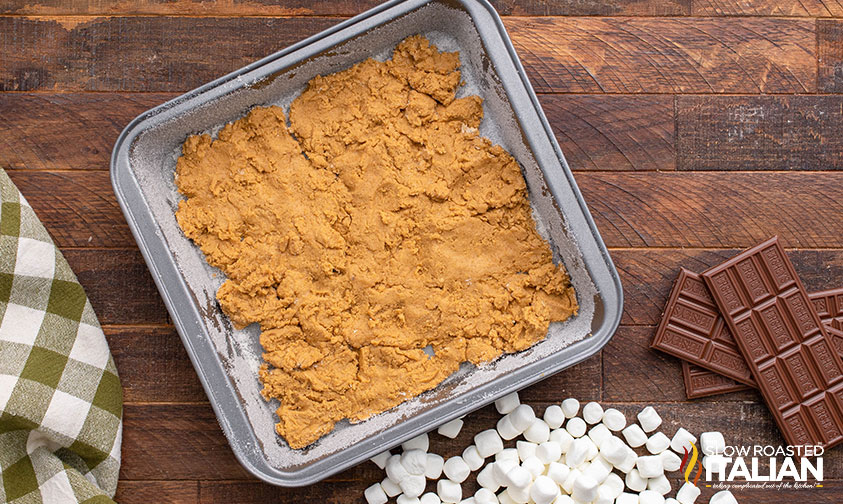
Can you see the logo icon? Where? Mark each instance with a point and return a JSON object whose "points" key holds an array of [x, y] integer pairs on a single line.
{"points": [[689, 468]]}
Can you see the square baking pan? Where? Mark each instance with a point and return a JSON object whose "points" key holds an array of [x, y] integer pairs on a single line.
{"points": [[226, 359]]}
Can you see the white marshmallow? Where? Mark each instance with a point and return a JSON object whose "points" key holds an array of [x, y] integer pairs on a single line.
{"points": [[506, 429], [563, 437], [486, 478], [381, 458], [671, 500], [657, 443], [614, 419], [430, 498], [576, 427], [723, 497], [470, 500], [650, 466], [406, 499], [570, 407], [604, 496], [433, 466], [629, 462], [501, 468], [598, 470], [553, 416], [712, 443], [549, 452], [687, 494], [592, 412], [615, 484], [650, 497], [375, 494], [390, 487], [634, 481], [488, 443], [660, 484], [682, 441], [508, 454], [634, 435], [627, 498], [649, 419], [449, 491], [577, 453], [670, 461], [585, 489], [599, 433], [534, 466], [395, 470], [564, 499], [537, 432], [544, 490], [526, 449], [613, 450], [451, 429], [507, 403], [485, 496], [518, 495], [523, 417], [414, 461], [593, 451], [472, 458], [573, 476], [413, 485], [519, 477], [558, 472], [504, 498], [420, 442], [456, 469]]}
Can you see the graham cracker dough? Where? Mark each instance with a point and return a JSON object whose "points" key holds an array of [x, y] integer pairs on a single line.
{"points": [[378, 225]]}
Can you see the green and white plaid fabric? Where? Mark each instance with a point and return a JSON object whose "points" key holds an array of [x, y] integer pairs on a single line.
{"points": [[61, 405]]}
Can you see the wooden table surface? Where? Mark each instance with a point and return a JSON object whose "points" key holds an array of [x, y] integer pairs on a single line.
{"points": [[695, 127]]}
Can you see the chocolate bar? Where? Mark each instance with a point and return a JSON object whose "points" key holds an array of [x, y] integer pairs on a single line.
{"points": [[700, 382], [829, 306], [787, 348]]}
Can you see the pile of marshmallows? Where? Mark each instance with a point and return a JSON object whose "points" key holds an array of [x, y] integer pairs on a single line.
{"points": [[573, 464]]}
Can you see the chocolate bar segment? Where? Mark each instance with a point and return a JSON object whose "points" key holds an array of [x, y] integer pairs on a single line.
{"points": [[700, 382], [829, 306], [789, 352], [693, 330]]}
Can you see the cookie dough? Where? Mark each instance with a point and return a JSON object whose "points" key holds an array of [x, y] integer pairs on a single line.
{"points": [[374, 227]]}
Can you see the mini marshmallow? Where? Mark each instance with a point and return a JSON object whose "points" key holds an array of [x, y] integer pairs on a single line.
{"points": [[526, 449], [456, 469], [659, 484], [381, 458], [553, 416], [488, 443], [430, 498], [507, 403], [627, 498], [470, 500], [414, 461], [723, 497], [558, 472], [576, 427], [670, 461], [564, 499], [504, 498], [487, 479], [375, 494], [420, 442], [433, 466], [682, 441], [634, 436], [598, 470], [712, 443], [501, 468], [650, 497], [635, 482], [450, 430], [629, 462], [604, 496], [671, 500], [544, 490], [390, 487], [549, 452], [615, 484], [563, 437], [519, 477], [577, 453], [449, 491], [568, 485], [508, 454], [657, 443], [687, 494], [406, 499], [614, 419], [599, 433], [585, 489], [522, 417], [537, 432], [534, 466], [472, 458], [395, 470], [505, 428], [613, 450], [592, 412], [413, 485], [649, 419], [650, 466], [485, 496], [570, 407], [518, 495], [593, 451]]}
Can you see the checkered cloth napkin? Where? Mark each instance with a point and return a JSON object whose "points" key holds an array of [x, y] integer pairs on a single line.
{"points": [[61, 405]]}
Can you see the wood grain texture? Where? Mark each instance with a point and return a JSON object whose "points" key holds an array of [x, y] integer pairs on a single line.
{"points": [[613, 132], [759, 132], [794, 8], [145, 492], [830, 55], [674, 55]]}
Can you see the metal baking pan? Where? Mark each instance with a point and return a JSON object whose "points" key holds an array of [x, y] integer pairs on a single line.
{"points": [[227, 359]]}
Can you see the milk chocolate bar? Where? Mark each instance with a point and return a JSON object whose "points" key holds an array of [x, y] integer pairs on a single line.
{"points": [[700, 382], [829, 306]]}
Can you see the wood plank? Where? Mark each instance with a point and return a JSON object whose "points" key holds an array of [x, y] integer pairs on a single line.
{"points": [[759, 132], [561, 54], [830, 55], [118, 285], [144, 492], [675, 55], [613, 132], [790, 8]]}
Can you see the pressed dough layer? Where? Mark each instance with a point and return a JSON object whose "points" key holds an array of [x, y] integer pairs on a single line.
{"points": [[378, 223]]}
